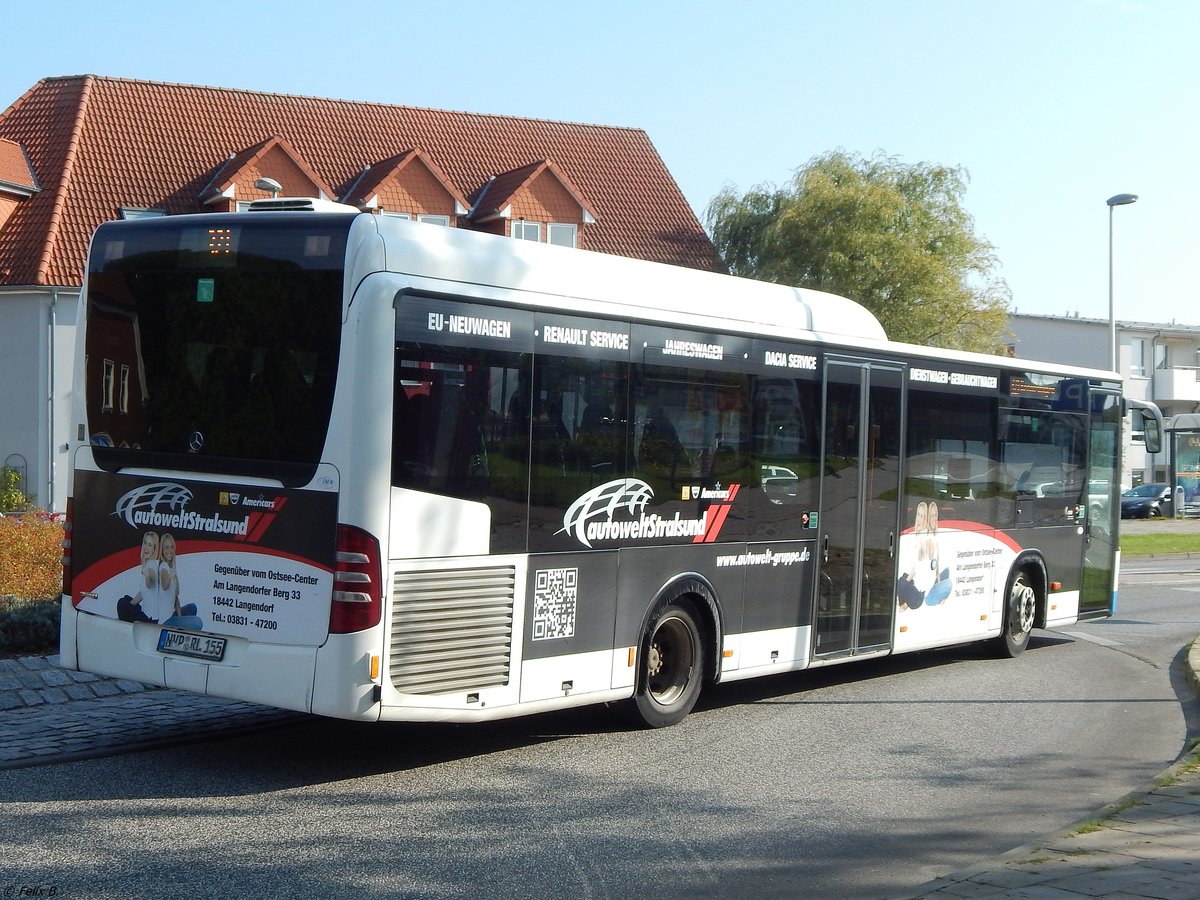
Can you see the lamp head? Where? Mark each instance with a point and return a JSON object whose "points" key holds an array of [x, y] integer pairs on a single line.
{"points": [[1122, 199]]}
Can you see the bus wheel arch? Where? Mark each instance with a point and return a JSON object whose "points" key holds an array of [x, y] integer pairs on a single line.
{"points": [[1024, 604], [678, 651]]}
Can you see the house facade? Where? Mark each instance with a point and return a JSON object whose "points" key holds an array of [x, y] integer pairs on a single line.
{"points": [[80, 150], [1158, 362]]}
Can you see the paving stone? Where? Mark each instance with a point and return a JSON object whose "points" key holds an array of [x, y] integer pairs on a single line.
{"points": [[105, 689], [56, 677]]}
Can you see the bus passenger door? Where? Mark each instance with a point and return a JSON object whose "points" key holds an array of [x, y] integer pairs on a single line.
{"points": [[860, 488], [1096, 595]]}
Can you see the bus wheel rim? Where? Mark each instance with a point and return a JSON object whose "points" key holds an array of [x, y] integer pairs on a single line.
{"points": [[671, 661]]}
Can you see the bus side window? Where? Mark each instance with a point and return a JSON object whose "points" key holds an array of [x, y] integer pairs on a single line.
{"points": [[450, 446]]}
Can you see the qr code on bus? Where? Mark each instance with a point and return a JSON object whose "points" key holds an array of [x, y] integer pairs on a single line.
{"points": [[555, 593]]}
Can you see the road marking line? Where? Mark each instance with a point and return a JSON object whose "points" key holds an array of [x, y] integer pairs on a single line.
{"points": [[1091, 638]]}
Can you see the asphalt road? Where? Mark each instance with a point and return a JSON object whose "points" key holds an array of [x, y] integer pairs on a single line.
{"points": [[856, 781]]}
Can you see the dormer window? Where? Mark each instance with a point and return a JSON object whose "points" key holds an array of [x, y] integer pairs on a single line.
{"points": [[427, 218], [524, 201], [563, 234], [527, 231]]}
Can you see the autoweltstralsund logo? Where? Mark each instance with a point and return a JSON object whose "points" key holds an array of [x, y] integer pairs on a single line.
{"points": [[602, 502], [161, 499], [164, 504]]}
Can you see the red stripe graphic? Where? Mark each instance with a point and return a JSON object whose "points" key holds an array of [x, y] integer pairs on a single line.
{"points": [[718, 512]]}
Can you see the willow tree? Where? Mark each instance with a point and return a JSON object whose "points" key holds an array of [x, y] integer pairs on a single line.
{"points": [[892, 236]]}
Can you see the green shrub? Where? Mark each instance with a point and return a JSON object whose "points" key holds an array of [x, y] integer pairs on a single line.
{"points": [[12, 498], [28, 626]]}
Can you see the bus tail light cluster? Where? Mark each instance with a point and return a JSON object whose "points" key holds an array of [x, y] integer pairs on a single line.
{"points": [[68, 523], [357, 582]]}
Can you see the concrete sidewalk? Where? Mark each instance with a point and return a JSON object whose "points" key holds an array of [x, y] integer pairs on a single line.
{"points": [[1145, 845]]}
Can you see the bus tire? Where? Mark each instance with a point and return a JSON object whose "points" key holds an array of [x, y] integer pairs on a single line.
{"points": [[1020, 613], [672, 670]]}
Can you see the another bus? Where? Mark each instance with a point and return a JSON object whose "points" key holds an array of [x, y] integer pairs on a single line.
{"points": [[341, 463]]}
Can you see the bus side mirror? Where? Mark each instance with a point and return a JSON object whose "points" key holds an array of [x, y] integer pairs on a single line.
{"points": [[1153, 436], [1152, 423]]}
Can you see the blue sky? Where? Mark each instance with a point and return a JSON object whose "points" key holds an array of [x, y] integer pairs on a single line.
{"points": [[1051, 106]]}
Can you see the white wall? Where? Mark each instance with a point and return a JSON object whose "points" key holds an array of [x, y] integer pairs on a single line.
{"points": [[26, 387], [1076, 342]]}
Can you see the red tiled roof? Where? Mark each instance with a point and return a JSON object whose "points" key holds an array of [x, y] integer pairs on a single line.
{"points": [[15, 174], [97, 144]]}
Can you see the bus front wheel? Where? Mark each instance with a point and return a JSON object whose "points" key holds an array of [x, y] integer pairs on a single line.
{"points": [[1019, 614], [672, 667]]}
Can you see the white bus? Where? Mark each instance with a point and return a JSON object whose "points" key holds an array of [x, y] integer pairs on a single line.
{"points": [[345, 464]]}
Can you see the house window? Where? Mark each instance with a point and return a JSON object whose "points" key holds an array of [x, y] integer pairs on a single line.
{"points": [[427, 218], [106, 401], [563, 235], [1137, 357], [124, 396], [1160, 356], [527, 231]]}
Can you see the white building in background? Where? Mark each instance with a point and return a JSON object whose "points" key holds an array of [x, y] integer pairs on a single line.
{"points": [[1158, 362]]}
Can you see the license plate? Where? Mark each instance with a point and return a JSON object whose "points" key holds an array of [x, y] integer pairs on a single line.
{"points": [[198, 646]]}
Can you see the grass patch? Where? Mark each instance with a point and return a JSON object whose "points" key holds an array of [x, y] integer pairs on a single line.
{"points": [[1154, 544]]}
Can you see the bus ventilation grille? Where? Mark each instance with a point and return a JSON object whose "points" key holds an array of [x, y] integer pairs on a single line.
{"points": [[452, 629]]}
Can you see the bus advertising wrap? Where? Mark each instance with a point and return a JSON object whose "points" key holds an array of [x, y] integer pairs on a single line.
{"points": [[219, 558]]}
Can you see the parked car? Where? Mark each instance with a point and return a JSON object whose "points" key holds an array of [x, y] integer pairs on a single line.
{"points": [[1146, 501]]}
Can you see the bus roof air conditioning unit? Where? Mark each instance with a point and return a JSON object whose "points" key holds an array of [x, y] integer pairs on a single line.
{"points": [[300, 204]]}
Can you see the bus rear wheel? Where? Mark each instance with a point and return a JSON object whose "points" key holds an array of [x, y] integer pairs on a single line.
{"points": [[1019, 614], [672, 667]]}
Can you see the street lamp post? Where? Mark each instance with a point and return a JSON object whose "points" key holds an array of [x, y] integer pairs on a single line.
{"points": [[1117, 200]]}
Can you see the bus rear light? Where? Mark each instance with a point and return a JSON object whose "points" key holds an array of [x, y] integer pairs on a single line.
{"points": [[357, 582], [68, 525]]}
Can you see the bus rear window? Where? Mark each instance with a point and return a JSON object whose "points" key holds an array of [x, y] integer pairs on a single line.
{"points": [[209, 341]]}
